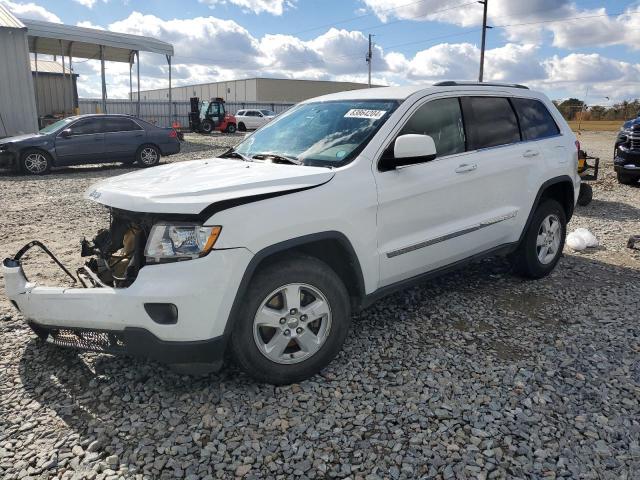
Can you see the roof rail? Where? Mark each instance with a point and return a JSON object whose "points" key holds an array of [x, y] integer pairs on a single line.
{"points": [[453, 83]]}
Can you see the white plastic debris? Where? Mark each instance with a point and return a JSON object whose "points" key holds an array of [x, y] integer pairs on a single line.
{"points": [[589, 237], [581, 239], [575, 242]]}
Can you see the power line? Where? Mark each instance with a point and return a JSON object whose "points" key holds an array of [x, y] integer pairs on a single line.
{"points": [[566, 19]]}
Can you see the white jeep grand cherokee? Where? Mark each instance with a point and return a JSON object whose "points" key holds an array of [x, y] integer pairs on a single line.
{"points": [[264, 252]]}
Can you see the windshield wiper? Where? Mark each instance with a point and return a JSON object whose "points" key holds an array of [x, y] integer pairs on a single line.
{"points": [[233, 154], [277, 158]]}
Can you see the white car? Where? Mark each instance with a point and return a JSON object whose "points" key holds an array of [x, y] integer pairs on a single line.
{"points": [[253, 119], [266, 252]]}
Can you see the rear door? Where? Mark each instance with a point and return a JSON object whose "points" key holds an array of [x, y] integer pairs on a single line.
{"points": [[84, 145], [122, 137]]}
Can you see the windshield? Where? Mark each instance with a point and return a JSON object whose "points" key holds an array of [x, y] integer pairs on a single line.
{"points": [[322, 133], [59, 125]]}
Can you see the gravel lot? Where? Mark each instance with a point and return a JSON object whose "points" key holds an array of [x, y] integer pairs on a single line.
{"points": [[478, 374]]}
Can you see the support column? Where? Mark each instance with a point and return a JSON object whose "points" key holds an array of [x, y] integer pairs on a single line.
{"points": [[71, 89], [138, 72], [104, 81], [64, 90], [170, 97], [131, 82], [35, 47]]}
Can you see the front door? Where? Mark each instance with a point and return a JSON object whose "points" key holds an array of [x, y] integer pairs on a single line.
{"points": [[85, 144]]}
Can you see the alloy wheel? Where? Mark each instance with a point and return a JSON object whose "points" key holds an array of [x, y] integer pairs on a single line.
{"points": [[292, 323], [549, 239], [36, 163], [149, 156]]}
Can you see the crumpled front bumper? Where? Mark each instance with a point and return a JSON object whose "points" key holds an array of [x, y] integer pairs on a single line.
{"points": [[627, 161], [118, 320]]}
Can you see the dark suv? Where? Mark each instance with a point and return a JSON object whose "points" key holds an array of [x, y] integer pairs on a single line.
{"points": [[89, 139], [626, 153]]}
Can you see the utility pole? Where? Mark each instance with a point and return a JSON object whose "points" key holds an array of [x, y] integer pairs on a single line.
{"points": [[369, 57], [484, 37]]}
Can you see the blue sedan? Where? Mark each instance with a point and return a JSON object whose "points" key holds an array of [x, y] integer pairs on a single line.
{"points": [[87, 139]]}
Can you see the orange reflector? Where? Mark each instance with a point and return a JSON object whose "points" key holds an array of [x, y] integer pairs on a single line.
{"points": [[213, 237]]}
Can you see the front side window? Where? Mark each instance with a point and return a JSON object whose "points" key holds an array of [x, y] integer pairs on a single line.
{"points": [[535, 120], [268, 113], [441, 120], [59, 125], [87, 126], [320, 133], [490, 122]]}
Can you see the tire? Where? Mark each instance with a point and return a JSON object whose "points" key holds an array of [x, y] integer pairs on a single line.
{"points": [[586, 194], [231, 128], [293, 356], [35, 162], [207, 126], [529, 259], [242, 127], [148, 156], [627, 179]]}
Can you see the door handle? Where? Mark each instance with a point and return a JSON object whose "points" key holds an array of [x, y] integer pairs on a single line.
{"points": [[466, 167], [530, 153]]}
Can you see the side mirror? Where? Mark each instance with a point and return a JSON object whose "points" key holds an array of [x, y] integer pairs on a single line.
{"points": [[66, 133], [409, 149]]}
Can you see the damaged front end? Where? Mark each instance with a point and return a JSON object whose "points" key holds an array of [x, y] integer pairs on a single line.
{"points": [[117, 253]]}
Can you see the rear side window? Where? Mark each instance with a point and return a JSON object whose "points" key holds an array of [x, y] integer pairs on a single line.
{"points": [[114, 124], [490, 122], [441, 120], [535, 120]]}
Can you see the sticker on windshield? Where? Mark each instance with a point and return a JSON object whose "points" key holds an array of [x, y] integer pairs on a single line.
{"points": [[364, 113]]}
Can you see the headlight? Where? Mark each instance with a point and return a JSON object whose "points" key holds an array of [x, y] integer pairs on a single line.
{"points": [[180, 241], [4, 147]]}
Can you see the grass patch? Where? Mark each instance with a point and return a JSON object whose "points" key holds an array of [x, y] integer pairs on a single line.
{"points": [[596, 125]]}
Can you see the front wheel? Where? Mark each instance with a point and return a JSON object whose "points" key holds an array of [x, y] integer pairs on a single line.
{"points": [[148, 156], [207, 126], [542, 245], [35, 162], [293, 323]]}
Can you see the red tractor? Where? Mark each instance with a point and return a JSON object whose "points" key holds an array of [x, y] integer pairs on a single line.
{"points": [[205, 117]]}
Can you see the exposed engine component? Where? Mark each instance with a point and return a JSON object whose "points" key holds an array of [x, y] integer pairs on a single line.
{"points": [[117, 253]]}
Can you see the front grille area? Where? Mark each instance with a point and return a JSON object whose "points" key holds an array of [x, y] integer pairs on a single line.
{"points": [[95, 341], [634, 142]]}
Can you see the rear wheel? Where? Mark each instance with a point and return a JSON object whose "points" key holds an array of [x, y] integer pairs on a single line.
{"points": [[242, 127], [293, 323], [148, 156], [35, 162], [542, 245], [231, 128], [627, 179]]}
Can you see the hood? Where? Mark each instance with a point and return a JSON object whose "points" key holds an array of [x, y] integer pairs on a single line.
{"points": [[631, 123], [190, 187], [19, 138]]}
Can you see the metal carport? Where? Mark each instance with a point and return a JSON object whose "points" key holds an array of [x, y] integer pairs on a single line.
{"points": [[89, 43]]}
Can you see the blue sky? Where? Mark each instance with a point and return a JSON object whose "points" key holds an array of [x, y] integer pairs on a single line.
{"points": [[559, 46]]}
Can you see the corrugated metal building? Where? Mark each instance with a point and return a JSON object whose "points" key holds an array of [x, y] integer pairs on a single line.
{"points": [[17, 102], [267, 90], [54, 90]]}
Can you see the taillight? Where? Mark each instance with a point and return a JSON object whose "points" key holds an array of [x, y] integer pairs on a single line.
{"points": [[173, 134]]}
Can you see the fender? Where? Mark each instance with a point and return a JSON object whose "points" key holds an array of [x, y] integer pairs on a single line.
{"points": [[282, 247], [536, 202]]}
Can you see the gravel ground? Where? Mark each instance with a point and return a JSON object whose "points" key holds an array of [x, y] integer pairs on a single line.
{"points": [[478, 374]]}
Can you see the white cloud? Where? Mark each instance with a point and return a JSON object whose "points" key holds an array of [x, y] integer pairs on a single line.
{"points": [[31, 11], [273, 7], [525, 22]]}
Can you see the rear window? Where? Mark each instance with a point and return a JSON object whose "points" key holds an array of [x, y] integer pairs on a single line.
{"points": [[535, 120], [490, 122]]}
